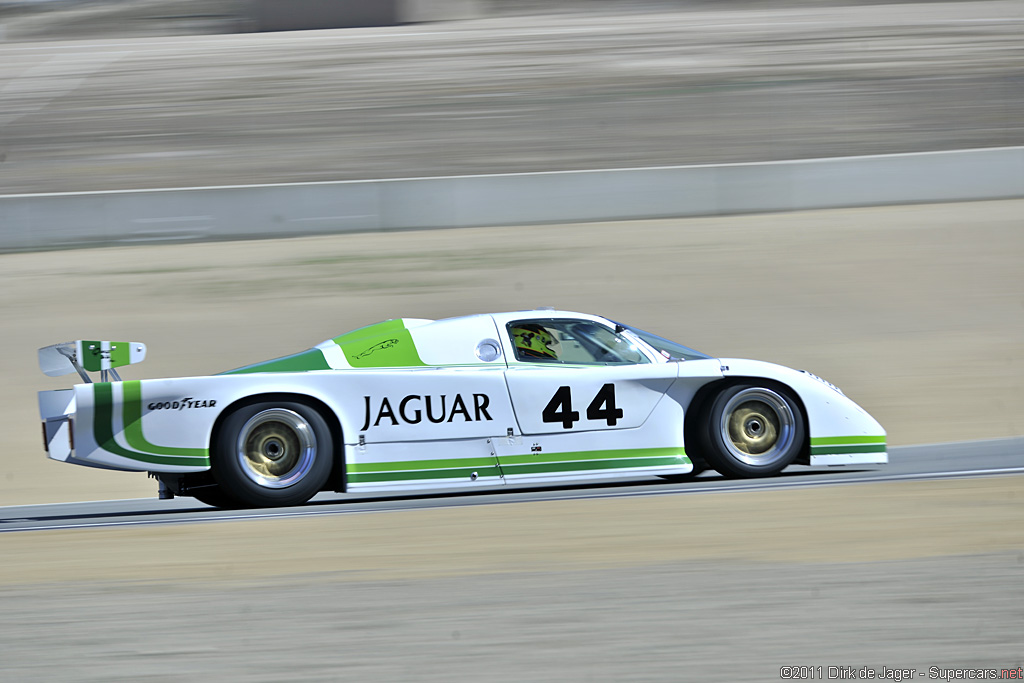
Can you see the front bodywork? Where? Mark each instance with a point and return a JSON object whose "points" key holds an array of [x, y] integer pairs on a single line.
{"points": [[424, 404], [841, 432]]}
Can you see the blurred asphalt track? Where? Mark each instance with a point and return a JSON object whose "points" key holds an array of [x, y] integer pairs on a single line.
{"points": [[673, 84]]}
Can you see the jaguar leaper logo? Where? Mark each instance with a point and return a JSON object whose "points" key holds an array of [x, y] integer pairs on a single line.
{"points": [[379, 346]]}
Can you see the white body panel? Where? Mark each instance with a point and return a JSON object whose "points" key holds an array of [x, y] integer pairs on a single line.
{"points": [[652, 448], [829, 412], [450, 464], [637, 390], [843, 459]]}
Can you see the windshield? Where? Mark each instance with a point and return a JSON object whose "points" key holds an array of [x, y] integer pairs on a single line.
{"points": [[669, 349]]}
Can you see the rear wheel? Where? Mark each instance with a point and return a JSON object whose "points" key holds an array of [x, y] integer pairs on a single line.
{"points": [[752, 430], [272, 454]]}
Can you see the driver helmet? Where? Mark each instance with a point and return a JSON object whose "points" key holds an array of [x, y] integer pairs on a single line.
{"points": [[533, 341]]}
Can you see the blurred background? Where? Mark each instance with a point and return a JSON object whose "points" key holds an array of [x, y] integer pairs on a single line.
{"points": [[111, 94]]}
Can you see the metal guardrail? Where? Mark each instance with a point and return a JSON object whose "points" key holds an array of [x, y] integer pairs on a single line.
{"points": [[51, 221]]}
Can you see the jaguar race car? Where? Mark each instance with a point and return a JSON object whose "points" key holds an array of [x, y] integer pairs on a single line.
{"points": [[528, 397]]}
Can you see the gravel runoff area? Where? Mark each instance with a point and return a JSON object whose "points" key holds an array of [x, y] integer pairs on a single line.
{"points": [[660, 84]]}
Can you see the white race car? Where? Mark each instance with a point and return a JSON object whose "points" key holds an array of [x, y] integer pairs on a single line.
{"points": [[528, 397]]}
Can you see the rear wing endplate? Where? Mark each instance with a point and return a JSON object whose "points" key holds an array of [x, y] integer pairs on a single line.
{"points": [[90, 356]]}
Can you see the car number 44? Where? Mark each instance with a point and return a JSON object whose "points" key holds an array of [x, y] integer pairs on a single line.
{"points": [[602, 407]]}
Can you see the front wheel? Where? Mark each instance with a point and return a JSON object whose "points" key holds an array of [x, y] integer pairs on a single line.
{"points": [[272, 454], [752, 430]]}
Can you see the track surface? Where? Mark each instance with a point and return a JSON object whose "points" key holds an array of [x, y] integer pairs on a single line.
{"points": [[507, 94], [725, 587], [946, 461]]}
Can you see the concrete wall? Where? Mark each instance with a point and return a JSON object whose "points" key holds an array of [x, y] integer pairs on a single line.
{"points": [[82, 219], [415, 11], [294, 15]]}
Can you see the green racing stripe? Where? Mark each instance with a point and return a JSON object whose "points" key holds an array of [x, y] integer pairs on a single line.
{"points": [[103, 430], [842, 445], [538, 463], [304, 361]]}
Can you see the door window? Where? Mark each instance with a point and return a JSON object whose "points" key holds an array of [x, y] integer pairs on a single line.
{"points": [[573, 342]]}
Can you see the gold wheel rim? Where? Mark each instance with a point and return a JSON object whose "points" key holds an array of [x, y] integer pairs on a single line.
{"points": [[276, 448], [758, 426]]}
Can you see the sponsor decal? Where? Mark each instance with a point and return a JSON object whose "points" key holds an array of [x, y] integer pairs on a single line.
{"points": [[412, 409], [380, 346], [182, 404]]}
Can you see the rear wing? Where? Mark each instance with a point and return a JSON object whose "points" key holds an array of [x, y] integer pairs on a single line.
{"points": [[90, 356]]}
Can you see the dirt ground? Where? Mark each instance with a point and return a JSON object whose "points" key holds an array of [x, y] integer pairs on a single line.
{"points": [[916, 312]]}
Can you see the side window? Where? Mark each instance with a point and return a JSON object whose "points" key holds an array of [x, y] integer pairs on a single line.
{"points": [[571, 342]]}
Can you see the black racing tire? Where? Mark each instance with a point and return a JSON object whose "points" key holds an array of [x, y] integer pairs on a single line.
{"points": [[213, 496], [272, 454], [752, 429]]}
